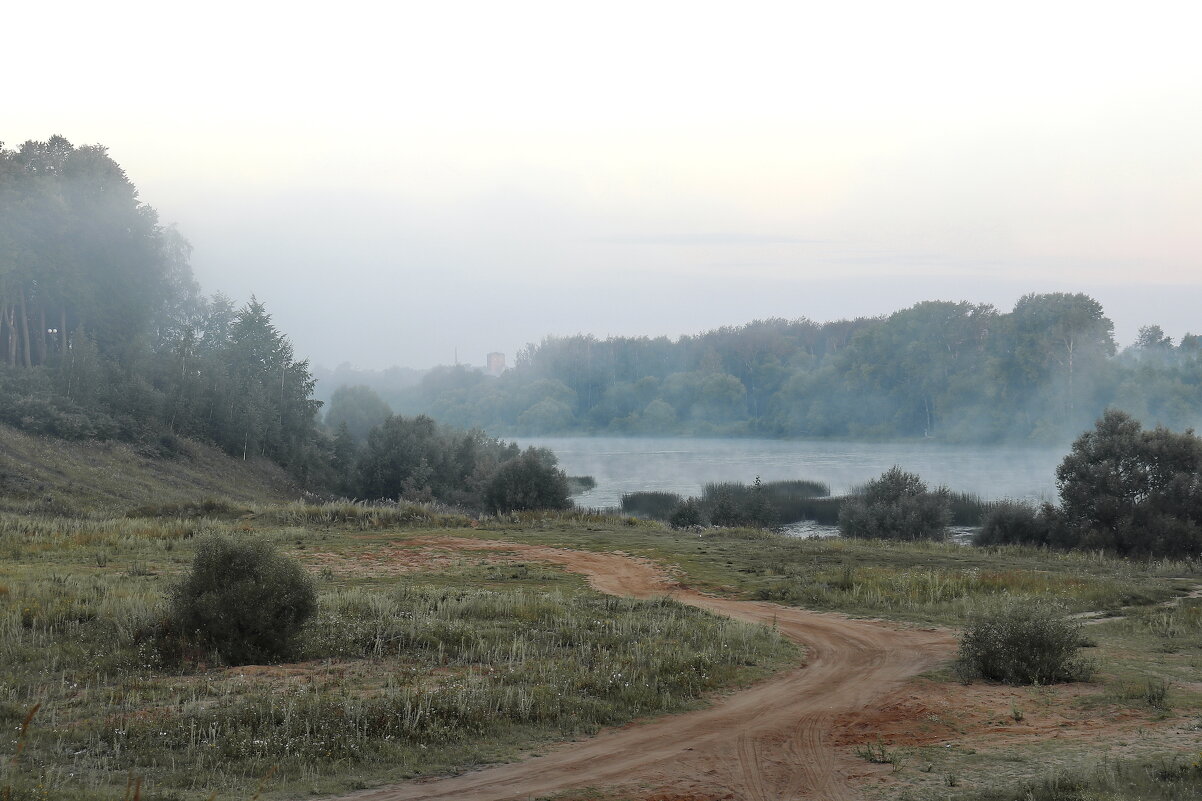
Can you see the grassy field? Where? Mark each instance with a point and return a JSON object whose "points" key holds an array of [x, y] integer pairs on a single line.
{"points": [[1137, 725], [425, 660], [417, 663], [47, 476]]}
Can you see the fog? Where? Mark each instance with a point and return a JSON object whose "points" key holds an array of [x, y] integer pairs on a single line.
{"points": [[684, 466], [424, 182]]}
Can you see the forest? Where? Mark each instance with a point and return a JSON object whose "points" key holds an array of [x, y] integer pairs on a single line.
{"points": [[955, 371], [106, 336]]}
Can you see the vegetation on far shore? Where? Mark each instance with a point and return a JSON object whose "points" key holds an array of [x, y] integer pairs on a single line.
{"points": [[949, 371], [158, 426]]}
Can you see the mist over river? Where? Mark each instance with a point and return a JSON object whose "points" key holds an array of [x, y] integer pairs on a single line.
{"points": [[631, 464]]}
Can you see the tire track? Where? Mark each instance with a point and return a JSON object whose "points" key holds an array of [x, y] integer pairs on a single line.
{"points": [[766, 743]]}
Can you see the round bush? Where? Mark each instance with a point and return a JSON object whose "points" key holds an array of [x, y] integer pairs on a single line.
{"points": [[529, 481], [243, 600], [1023, 642], [686, 515], [1013, 523], [896, 506]]}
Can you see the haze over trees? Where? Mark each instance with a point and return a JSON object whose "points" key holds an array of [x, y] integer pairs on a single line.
{"points": [[103, 331], [104, 335], [955, 371], [1123, 489]]}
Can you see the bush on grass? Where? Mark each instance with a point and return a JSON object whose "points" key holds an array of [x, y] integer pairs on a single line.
{"points": [[242, 600], [1023, 642]]}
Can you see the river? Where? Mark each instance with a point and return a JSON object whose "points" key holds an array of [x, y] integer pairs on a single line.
{"points": [[630, 464]]}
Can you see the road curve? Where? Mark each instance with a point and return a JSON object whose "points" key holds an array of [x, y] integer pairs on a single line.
{"points": [[766, 743]]}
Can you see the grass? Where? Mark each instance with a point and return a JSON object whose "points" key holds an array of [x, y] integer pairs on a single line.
{"points": [[1165, 779], [966, 509], [481, 658], [470, 661], [39, 475], [922, 582], [789, 501], [656, 505], [1141, 644]]}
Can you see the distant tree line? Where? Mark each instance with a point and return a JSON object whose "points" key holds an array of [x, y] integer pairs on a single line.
{"points": [[954, 371]]}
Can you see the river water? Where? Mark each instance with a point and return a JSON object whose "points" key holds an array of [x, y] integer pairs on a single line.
{"points": [[630, 464]]}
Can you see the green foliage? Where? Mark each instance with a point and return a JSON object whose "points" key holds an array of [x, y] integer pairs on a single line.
{"points": [[954, 371], [103, 333], [530, 481], [734, 505], [656, 505], [1022, 642], [687, 514], [896, 506], [419, 460], [578, 485], [1132, 491], [730, 504], [242, 600], [1014, 523], [790, 499], [358, 408], [968, 509]]}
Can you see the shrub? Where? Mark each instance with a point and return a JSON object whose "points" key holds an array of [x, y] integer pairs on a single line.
{"points": [[656, 505], [969, 509], [529, 481], [578, 485], [243, 600], [896, 506], [1023, 642], [1014, 523], [734, 505], [687, 514], [791, 500]]}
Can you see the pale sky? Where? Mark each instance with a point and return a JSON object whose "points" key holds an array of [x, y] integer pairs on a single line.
{"points": [[400, 182]]}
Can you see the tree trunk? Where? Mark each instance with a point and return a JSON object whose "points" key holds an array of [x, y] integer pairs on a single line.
{"points": [[25, 331], [62, 330], [1072, 406], [11, 317], [41, 340]]}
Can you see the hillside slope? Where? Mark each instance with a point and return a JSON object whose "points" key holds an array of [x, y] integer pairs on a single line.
{"points": [[44, 474]]}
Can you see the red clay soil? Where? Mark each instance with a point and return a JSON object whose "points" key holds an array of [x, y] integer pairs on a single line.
{"points": [[770, 742]]}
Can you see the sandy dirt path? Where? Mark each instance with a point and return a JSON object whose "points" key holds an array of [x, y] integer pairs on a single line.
{"points": [[767, 743]]}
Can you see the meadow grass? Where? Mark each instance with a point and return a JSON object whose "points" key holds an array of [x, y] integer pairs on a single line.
{"points": [[477, 659], [920, 581], [398, 676]]}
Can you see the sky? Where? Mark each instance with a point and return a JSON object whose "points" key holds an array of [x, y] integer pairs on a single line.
{"points": [[415, 183]]}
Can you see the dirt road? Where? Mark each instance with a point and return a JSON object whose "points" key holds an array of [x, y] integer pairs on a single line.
{"points": [[766, 743]]}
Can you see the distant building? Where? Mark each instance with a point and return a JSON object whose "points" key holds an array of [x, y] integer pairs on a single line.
{"points": [[496, 364]]}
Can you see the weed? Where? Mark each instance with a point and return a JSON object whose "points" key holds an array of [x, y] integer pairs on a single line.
{"points": [[878, 753], [1156, 693]]}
